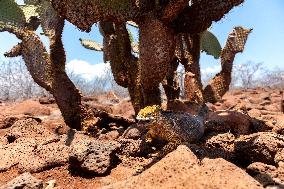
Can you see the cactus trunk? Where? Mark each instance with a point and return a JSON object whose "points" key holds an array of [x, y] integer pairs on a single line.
{"points": [[67, 96], [156, 53], [68, 99]]}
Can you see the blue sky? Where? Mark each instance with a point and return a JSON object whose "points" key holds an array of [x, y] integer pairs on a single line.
{"points": [[265, 43]]}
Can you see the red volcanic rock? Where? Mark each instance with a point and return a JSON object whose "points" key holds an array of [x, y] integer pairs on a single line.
{"points": [[181, 169]]}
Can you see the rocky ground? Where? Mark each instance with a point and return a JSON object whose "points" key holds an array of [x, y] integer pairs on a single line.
{"points": [[243, 147]]}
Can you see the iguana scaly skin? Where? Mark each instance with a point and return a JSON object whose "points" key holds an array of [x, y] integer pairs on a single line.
{"points": [[174, 127]]}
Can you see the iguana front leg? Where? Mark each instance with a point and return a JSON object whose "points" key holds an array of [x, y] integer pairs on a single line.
{"points": [[171, 146]]}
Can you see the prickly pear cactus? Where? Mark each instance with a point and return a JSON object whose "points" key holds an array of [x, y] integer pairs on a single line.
{"points": [[11, 14], [159, 22], [32, 2], [187, 51], [47, 69], [210, 44], [84, 14], [15, 51], [90, 44], [29, 11], [156, 53], [219, 85], [18, 18], [193, 88], [199, 16], [118, 50], [171, 82]]}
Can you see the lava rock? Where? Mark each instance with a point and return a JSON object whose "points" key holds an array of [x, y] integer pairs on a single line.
{"points": [[134, 132], [24, 181], [8, 122], [93, 156], [181, 169], [224, 121], [219, 145], [46, 100], [259, 147], [29, 128]]}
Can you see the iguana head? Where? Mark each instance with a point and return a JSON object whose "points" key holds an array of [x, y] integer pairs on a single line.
{"points": [[149, 113]]}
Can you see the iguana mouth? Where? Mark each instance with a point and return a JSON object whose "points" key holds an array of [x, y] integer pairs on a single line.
{"points": [[143, 120]]}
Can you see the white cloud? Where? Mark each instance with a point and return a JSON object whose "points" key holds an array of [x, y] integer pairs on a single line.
{"points": [[87, 70], [211, 70], [20, 2]]}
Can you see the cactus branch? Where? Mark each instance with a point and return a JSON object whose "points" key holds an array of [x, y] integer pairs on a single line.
{"points": [[200, 15], [133, 24], [171, 82], [219, 85], [48, 69], [124, 65], [84, 14], [90, 44], [15, 51], [188, 53], [193, 85], [173, 8], [117, 50], [34, 55]]}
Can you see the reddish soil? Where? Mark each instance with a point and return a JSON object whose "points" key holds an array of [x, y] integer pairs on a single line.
{"points": [[232, 129]]}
